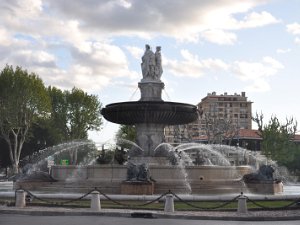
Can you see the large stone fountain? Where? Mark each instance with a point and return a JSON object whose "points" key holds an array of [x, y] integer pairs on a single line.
{"points": [[149, 169], [150, 114]]}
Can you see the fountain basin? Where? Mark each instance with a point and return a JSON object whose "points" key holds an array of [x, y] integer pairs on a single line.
{"points": [[109, 178], [154, 112]]}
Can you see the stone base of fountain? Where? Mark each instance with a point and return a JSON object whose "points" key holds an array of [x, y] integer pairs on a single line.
{"points": [[262, 187], [203, 180], [137, 187], [150, 161]]}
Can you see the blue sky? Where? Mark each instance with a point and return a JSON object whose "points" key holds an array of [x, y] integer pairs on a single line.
{"points": [[217, 45]]}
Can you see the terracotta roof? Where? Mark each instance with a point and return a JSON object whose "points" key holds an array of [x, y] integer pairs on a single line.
{"points": [[249, 134], [245, 134]]}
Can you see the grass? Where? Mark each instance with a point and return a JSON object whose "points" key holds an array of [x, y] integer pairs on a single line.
{"points": [[180, 206]]}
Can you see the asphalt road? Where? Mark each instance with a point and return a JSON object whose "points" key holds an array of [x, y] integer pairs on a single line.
{"points": [[12, 219]]}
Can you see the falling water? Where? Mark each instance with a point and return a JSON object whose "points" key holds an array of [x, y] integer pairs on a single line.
{"points": [[181, 159], [39, 159]]}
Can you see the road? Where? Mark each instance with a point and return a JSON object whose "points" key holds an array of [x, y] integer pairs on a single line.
{"points": [[11, 219]]}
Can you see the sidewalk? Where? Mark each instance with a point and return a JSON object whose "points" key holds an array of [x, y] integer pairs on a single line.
{"points": [[195, 215]]}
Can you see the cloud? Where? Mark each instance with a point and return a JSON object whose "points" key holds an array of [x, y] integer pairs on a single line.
{"points": [[135, 51], [254, 74], [293, 28], [255, 19], [171, 17], [72, 44], [259, 85], [192, 66], [257, 72], [219, 37]]}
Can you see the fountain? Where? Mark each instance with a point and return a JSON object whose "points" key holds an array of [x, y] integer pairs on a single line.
{"points": [[150, 114], [155, 167]]}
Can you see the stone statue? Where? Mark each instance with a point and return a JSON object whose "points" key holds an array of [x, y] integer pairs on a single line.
{"points": [[148, 63], [137, 172], [151, 64], [265, 173], [158, 66]]}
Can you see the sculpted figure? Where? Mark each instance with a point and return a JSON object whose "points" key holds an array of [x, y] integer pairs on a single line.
{"points": [[148, 63], [158, 66]]}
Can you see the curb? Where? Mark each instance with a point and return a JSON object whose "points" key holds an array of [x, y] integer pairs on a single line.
{"points": [[251, 216]]}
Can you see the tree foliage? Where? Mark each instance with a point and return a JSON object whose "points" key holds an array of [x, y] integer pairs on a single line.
{"points": [[126, 132], [23, 99], [74, 113], [277, 139]]}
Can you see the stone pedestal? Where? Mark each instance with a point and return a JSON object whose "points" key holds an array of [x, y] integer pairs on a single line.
{"points": [[149, 136], [242, 204], [95, 201], [151, 90], [137, 188], [20, 198], [265, 187], [169, 203]]}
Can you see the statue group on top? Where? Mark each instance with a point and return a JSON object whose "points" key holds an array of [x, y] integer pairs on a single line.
{"points": [[151, 64]]}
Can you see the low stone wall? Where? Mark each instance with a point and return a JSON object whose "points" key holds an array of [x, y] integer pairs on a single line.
{"points": [[157, 172], [137, 188], [263, 187], [192, 179]]}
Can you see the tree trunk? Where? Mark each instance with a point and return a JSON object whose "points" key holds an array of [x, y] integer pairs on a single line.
{"points": [[15, 168]]}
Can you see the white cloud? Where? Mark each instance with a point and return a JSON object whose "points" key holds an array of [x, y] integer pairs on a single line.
{"points": [[257, 73], [224, 18], [5, 37], [259, 85], [172, 18], [215, 64], [269, 61], [135, 51], [255, 19], [192, 66], [293, 28], [220, 37], [33, 31], [297, 40]]}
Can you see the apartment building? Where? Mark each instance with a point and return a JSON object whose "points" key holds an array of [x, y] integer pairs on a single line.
{"points": [[233, 109]]}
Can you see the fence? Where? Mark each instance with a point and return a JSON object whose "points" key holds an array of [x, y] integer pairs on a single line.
{"points": [[22, 196]]}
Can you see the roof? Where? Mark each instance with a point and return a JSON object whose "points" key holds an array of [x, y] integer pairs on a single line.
{"points": [[246, 134]]}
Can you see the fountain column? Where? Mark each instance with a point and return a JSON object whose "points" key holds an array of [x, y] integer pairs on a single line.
{"points": [[150, 135]]}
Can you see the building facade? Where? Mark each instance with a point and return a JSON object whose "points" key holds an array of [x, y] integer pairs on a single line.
{"points": [[220, 118]]}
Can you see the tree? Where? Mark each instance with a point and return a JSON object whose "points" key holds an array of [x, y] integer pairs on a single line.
{"points": [[126, 132], [58, 122], [74, 113], [219, 129], [23, 99], [277, 138]]}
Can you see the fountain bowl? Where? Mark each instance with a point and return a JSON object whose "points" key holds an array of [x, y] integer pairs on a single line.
{"points": [[155, 112]]}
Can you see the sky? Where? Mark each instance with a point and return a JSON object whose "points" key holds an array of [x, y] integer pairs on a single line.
{"points": [[231, 46]]}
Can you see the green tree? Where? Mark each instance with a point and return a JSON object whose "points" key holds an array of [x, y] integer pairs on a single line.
{"points": [[23, 99], [74, 113], [57, 125], [126, 132], [277, 138]]}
